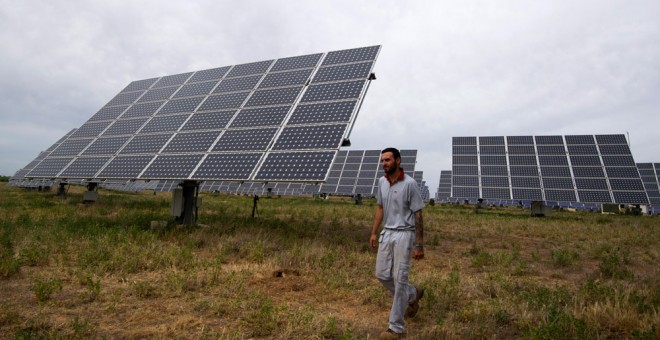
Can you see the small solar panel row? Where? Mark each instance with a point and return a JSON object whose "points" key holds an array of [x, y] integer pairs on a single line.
{"points": [[582, 168], [357, 172]]}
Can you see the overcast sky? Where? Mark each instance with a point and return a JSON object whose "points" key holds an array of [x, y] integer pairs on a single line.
{"points": [[446, 68]]}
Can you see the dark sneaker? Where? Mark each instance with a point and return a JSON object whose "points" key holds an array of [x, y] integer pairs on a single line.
{"points": [[413, 307], [391, 335]]}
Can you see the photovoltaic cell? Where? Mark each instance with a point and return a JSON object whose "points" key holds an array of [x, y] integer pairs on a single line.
{"points": [[593, 196], [107, 113], [292, 166], [580, 139], [560, 195], [297, 77], [278, 96], [548, 150], [165, 123], [351, 55], [209, 120], [210, 74], [492, 149], [524, 171], [611, 139], [520, 140], [125, 127], [224, 101], [171, 167], [146, 144], [582, 149], [49, 167], [71, 147], [333, 91], [585, 160], [227, 166], [125, 98], [591, 183], [249, 69], [158, 94], [494, 171], [549, 140], [125, 167], [181, 105], [588, 172], [292, 63], [323, 112], [196, 89], [90, 129], [310, 137], [491, 140], [343, 72], [238, 84], [465, 160], [464, 141], [267, 116], [142, 110], [465, 170], [106, 146], [191, 142], [618, 161], [465, 192], [558, 183], [245, 140], [622, 172], [176, 79], [139, 85], [464, 150], [84, 167], [492, 181], [526, 182]]}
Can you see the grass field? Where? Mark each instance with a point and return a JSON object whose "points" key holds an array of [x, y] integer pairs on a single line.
{"points": [[303, 269]]}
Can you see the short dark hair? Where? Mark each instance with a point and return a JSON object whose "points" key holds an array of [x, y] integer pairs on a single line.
{"points": [[395, 152]]}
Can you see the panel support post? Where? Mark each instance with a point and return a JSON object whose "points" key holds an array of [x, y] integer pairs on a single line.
{"points": [[255, 199], [61, 191], [189, 214], [91, 195]]}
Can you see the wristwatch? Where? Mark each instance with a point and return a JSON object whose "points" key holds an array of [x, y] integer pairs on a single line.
{"points": [[419, 245]]}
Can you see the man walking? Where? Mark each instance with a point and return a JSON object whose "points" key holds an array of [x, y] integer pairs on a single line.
{"points": [[399, 208]]}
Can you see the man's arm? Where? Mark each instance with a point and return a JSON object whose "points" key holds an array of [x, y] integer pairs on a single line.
{"points": [[418, 251], [378, 219]]}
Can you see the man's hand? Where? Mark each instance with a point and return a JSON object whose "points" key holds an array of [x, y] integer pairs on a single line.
{"points": [[373, 240], [418, 253]]}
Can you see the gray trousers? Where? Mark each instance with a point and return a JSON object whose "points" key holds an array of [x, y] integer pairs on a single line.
{"points": [[392, 269]]}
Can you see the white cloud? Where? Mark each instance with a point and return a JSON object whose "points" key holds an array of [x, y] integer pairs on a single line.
{"points": [[445, 69]]}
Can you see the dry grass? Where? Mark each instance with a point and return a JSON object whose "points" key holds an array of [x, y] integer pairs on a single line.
{"points": [[303, 269]]}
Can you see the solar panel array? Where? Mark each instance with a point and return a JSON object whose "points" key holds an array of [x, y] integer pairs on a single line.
{"points": [[272, 120], [650, 174], [444, 186], [572, 168], [357, 171], [19, 178]]}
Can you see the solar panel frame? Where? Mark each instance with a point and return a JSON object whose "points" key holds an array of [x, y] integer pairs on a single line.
{"points": [[583, 168], [156, 119]]}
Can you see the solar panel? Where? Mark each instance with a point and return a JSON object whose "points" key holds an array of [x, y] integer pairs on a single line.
{"points": [[357, 172], [650, 174], [444, 186], [292, 114], [574, 168]]}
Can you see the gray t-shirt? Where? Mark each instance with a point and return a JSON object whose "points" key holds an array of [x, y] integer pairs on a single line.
{"points": [[400, 202]]}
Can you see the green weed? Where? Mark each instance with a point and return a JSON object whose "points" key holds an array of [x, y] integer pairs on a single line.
{"points": [[43, 288], [564, 257]]}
